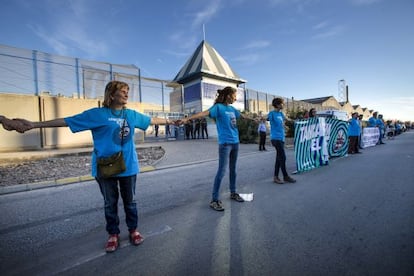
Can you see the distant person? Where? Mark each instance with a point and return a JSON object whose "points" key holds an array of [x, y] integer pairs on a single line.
{"points": [[381, 126], [306, 115], [277, 138], [188, 128], [373, 120], [112, 128], [197, 129], [312, 113], [360, 117], [204, 128], [167, 130], [262, 130], [354, 132], [156, 129], [226, 117]]}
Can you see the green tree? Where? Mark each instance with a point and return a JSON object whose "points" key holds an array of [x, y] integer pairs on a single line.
{"points": [[248, 129]]}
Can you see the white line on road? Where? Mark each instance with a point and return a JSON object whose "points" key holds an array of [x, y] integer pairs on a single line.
{"points": [[156, 232]]}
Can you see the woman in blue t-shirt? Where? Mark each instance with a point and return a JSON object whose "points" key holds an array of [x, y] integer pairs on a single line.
{"points": [[226, 117], [112, 128], [277, 138]]}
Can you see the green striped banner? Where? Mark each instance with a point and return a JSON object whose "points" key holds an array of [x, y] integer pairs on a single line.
{"points": [[318, 139]]}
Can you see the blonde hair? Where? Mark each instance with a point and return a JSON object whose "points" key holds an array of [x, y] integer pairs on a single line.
{"points": [[224, 95], [110, 90]]}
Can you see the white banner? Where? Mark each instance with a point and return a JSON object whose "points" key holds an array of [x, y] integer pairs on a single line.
{"points": [[370, 136]]}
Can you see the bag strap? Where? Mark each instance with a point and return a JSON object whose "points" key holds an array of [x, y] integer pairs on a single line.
{"points": [[122, 133], [122, 130]]}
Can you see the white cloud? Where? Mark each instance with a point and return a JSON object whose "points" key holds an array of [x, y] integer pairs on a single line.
{"points": [[257, 44], [364, 2], [66, 29], [334, 31], [249, 59], [59, 47], [320, 25], [204, 16]]}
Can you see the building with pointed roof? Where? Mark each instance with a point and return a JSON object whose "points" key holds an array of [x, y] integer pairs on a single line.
{"points": [[328, 102], [196, 84]]}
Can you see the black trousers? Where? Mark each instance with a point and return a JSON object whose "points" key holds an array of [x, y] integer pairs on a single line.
{"points": [[262, 141], [280, 163]]}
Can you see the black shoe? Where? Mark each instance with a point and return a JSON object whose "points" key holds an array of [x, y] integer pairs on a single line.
{"points": [[216, 205], [289, 179], [277, 180], [236, 197]]}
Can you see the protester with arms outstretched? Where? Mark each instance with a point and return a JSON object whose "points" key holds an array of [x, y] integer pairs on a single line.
{"points": [[112, 128], [226, 117]]}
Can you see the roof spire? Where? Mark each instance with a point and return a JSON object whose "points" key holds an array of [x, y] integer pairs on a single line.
{"points": [[204, 33]]}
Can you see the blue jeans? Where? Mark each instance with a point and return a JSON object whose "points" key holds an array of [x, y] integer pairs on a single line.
{"points": [[226, 152], [110, 192]]}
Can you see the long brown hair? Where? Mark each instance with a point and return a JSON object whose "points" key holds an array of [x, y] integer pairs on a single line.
{"points": [[224, 95], [110, 89]]}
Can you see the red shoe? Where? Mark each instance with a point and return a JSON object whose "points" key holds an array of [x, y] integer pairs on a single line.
{"points": [[135, 237], [112, 244]]}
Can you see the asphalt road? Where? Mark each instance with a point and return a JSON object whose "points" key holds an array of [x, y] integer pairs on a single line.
{"points": [[352, 217]]}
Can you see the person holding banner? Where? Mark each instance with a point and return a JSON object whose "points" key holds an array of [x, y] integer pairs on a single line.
{"points": [[277, 138], [354, 131]]}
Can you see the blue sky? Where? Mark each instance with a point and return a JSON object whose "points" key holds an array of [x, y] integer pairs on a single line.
{"points": [[292, 48]]}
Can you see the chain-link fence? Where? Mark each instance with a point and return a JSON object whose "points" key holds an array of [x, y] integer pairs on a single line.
{"points": [[32, 72]]}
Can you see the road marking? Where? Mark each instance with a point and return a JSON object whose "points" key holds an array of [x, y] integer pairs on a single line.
{"points": [[86, 259]]}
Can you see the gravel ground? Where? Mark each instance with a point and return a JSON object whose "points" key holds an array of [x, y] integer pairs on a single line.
{"points": [[31, 171]]}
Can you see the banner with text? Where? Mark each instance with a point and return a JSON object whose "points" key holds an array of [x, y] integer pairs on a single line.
{"points": [[317, 139], [370, 136]]}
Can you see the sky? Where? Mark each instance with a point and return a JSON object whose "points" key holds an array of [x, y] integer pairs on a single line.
{"points": [[291, 48]]}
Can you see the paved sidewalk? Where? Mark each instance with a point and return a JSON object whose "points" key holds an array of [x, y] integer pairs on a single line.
{"points": [[177, 153]]}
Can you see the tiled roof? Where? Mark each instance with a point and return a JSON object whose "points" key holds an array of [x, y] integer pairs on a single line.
{"points": [[206, 61], [317, 100]]}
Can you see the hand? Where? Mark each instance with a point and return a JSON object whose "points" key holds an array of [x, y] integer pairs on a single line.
{"points": [[178, 122], [20, 125], [11, 124]]}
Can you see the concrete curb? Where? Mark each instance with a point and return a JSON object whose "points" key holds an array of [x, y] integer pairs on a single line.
{"points": [[55, 183], [84, 178]]}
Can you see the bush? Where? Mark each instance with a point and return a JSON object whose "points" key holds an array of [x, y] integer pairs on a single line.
{"points": [[248, 130]]}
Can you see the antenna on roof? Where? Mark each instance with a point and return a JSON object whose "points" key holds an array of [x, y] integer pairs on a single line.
{"points": [[204, 33]]}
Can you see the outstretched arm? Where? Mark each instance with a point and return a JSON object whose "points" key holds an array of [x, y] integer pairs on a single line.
{"points": [[244, 116], [25, 125], [159, 121], [199, 115]]}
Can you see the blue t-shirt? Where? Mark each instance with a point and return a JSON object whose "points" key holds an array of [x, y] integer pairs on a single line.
{"points": [[372, 122], [380, 124], [277, 125], [354, 128], [106, 133], [226, 121]]}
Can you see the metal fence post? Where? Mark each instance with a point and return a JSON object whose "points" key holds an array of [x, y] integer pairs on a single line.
{"points": [[77, 76], [35, 77]]}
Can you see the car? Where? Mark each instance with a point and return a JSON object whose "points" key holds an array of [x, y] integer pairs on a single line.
{"points": [[336, 114]]}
